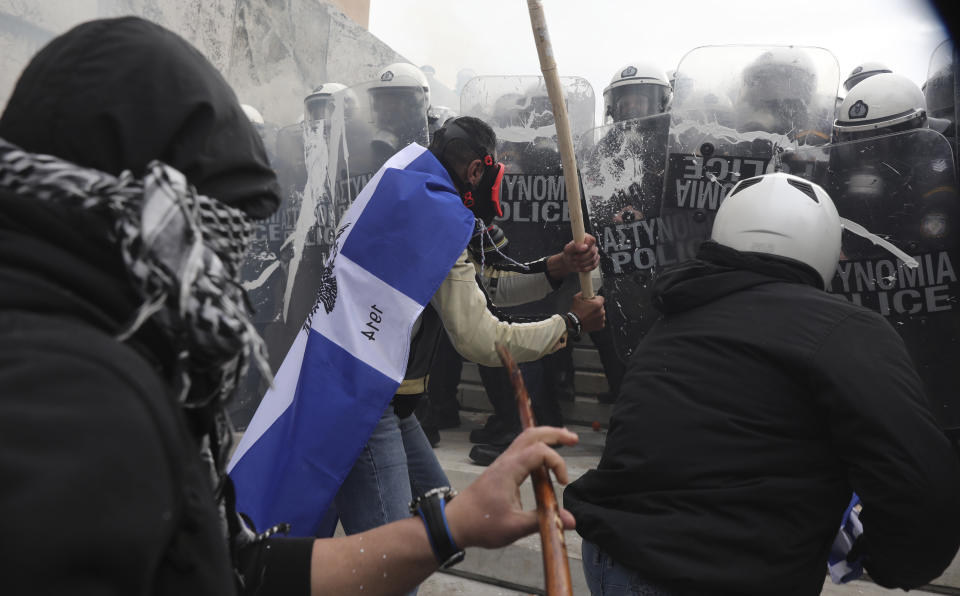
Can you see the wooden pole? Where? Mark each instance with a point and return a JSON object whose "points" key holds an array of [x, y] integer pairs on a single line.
{"points": [[548, 66], [556, 565]]}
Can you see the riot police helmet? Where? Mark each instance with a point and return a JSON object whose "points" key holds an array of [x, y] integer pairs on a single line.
{"points": [[636, 90], [319, 104], [401, 86], [863, 72], [776, 92], [882, 104]]}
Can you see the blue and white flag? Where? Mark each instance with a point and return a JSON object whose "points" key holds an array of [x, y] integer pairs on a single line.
{"points": [[395, 245], [841, 570]]}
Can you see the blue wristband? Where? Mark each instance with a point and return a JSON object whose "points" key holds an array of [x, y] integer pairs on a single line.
{"points": [[431, 507]]}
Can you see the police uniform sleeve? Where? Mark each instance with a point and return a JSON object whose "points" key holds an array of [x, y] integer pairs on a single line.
{"points": [[473, 329], [897, 459]]}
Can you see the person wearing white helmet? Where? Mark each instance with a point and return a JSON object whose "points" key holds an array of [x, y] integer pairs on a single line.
{"points": [[886, 164], [320, 103], [776, 92], [400, 101], [636, 90], [751, 410], [863, 72], [883, 104]]}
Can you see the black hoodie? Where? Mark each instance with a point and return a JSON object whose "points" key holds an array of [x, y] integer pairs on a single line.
{"points": [[747, 415], [103, 489]]}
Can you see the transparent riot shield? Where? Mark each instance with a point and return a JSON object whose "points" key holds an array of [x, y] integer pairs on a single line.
{"points": [[942, 91], [903, 188], [279, 272], [265, 270], [621, 170], [536, 218], [736, 109]]}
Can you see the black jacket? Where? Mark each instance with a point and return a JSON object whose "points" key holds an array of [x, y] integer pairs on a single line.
{"points": [[748, 414], [103, 489]]}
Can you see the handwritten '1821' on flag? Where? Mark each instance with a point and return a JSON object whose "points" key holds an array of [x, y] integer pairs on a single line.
{"points": [[395, 245]]}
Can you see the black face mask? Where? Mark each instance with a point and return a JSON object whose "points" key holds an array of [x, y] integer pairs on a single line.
{"points": [[483, 199]]}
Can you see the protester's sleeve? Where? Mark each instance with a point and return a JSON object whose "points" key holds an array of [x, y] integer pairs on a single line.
{"points": [[473, 329], [276, 567], [897, 459]]}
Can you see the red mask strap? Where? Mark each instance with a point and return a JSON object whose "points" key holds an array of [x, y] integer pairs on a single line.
{"points": [[495, 189]]}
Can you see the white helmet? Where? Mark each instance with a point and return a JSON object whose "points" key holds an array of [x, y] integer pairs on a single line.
{"points": [[315, 105], [864, 71], [780, 73], [783, 215], [252, 114], [637, 89], [401, 75], [882, 104], [776, 91]]}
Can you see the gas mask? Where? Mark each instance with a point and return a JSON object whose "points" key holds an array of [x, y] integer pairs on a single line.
{"points": [[483, 199]]}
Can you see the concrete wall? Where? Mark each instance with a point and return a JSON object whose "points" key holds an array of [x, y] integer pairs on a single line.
{"points": [[273, 52]]}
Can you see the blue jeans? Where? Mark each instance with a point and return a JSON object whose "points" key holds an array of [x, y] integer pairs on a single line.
{"points": [[606, 577], [396, 462]]}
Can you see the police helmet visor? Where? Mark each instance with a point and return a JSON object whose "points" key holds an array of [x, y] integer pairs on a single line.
{"points": [[318, 108], [843, 134], [637, 101], [392, 102]]}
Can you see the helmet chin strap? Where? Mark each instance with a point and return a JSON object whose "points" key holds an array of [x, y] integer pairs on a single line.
{"points": [[852, 226]]}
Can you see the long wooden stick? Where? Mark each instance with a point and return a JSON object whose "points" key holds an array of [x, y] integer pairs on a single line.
{"points": [[548, 66], [556, 565]]}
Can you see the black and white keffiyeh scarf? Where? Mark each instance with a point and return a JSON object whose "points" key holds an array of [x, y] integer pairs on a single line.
{"points": [[182, 252]]}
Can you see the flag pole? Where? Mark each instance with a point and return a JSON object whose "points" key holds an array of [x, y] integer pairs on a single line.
{"points": [[548, 66]]}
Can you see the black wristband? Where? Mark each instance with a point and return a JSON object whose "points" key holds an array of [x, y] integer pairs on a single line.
{"points": [[431, 509], [574, 327]]}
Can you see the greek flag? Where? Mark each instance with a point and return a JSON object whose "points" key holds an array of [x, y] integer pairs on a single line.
{"points": [[395, 245], [843, 571]]}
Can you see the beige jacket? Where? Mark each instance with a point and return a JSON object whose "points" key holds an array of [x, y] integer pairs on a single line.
{"points": [[473, 329]]}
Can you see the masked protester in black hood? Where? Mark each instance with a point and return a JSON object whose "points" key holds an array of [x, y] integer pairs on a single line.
{"points": [[128, 174]]}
